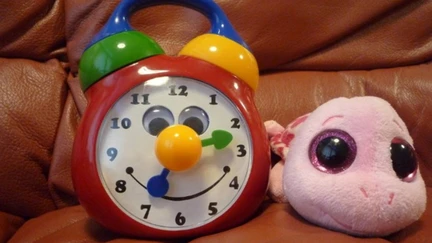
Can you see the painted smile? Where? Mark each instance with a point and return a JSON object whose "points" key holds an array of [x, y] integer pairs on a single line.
{"points": [[344, 226], [226, 170]]}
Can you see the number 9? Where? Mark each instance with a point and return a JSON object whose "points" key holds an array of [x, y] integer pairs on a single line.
{"points": [[112, 153]]}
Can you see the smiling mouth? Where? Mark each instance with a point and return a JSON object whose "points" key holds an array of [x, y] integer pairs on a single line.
{"points": [[346, 226], [226, 170]]}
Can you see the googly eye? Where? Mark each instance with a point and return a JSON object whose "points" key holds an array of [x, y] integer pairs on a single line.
{"points": [[332, 151], [404, 160], [195, 118], [157, 118]]}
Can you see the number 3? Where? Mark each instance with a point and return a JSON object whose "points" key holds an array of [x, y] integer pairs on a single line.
{"points": [[242, 150]]}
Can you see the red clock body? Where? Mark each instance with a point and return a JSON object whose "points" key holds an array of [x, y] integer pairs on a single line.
{"points": [[113, 164]]}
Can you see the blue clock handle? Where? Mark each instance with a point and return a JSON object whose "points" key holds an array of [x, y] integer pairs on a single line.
{"points": [[119, 20]]}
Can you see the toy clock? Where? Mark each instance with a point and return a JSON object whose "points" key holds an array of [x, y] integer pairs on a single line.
{"points": [[169, 146]]}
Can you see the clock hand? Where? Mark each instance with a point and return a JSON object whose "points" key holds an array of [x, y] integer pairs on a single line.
{"points": [[158, 185], [178, 148], [220, 139]]}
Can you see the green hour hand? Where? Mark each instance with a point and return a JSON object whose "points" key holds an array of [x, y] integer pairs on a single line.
{"points": [[220, 139]]}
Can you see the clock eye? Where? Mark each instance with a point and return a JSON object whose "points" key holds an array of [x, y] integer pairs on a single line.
{"points": [[156, 119], [195, 118]]}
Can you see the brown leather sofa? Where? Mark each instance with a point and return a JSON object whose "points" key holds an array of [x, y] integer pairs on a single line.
{"points": [[308, 53]]}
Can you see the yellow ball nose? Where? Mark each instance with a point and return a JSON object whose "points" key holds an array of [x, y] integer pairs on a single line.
{"points": [[178, 148]]}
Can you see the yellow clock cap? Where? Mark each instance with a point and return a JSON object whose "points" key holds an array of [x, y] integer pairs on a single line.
{"points": [[225, 53]]}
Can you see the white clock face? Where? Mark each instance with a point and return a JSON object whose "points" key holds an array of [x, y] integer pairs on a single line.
{"points": [[126, 158]]}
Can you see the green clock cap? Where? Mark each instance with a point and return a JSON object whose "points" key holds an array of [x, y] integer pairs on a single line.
{"points": [[113, 53]]}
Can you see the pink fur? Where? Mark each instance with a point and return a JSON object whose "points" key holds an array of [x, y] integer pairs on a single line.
{"points": [[273, 128], [280, 139], [367, 198]]}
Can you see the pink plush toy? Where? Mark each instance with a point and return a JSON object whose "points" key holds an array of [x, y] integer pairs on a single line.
{"points": [[349, 166]]}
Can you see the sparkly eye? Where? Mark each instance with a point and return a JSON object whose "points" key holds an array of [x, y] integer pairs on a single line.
{"points": [[156, 119], [195, 118], [403, 159], [332, 151]]}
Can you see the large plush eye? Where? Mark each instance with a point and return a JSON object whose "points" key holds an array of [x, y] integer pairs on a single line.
{"points": [[403, 159], [156, 119], [195, 118], [332, 151]]}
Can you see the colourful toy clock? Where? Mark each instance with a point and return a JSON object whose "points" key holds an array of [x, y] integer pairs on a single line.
{"points": [[169, 146]]}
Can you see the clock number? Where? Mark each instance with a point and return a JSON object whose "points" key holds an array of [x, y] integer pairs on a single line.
{"points": [[183, 91], [147, 210], [125, 123], [172, 88], [236, 123], [144, 101], [182, 88], [234, 183], [179, 219], [112, 152], [213, 100], [120, 186], [212, 208], [241, 150]]}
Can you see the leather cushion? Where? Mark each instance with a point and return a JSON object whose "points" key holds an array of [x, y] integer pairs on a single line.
{"points": [[31, 103], [273, 223], [312, 35]]}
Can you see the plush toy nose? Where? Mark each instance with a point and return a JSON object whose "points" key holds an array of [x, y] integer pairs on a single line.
{"points": [[178, 148], [391, 195]]}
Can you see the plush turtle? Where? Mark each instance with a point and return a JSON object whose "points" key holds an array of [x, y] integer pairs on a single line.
{"points": [[349, 166]]}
